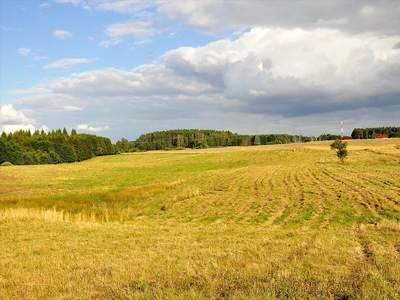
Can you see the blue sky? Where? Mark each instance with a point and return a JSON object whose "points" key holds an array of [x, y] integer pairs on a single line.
{"points": [[124, 68]]}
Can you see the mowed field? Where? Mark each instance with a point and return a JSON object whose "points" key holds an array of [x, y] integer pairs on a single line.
{"points": [[263, 222]]}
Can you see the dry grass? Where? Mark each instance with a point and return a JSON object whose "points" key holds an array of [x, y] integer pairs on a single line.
{"points": [[280, 222], [42, 260]]}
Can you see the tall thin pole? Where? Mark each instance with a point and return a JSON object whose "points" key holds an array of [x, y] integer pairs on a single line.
{"points": [[341, 129]]}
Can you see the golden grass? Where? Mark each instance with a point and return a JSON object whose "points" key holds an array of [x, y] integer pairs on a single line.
{"points": [[273, 222], [42, 260]]}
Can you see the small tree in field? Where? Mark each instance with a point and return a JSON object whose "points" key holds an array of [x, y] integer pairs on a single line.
{"points": [[340, 148]]}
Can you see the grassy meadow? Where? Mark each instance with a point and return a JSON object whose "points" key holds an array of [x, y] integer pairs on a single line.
{"points": [[262, 222]]}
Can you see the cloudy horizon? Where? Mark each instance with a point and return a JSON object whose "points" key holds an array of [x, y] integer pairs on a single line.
{"points": [[120, 69]]}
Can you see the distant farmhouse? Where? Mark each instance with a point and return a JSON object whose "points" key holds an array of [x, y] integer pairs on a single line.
{"points": [[382, 136], [346, 137]]}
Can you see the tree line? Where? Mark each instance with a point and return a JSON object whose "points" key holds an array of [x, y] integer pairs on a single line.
{"points": [[26, 148], [197, 138], [371, 133], [58, 146]]}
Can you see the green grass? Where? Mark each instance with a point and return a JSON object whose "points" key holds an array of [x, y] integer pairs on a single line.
{"points": [[273, 222]]}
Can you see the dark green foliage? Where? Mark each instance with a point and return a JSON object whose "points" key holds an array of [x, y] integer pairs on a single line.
{"points": [[195, 138], [54, 157], [123, 146], [24, 148], [328, 137], [340, 148], [371, 133], [11, 152]]}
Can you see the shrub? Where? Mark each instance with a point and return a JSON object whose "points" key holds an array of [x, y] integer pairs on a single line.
{"points": [[340, 148], [6, 164]]}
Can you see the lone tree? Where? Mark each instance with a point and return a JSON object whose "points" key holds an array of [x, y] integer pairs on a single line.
{"points": [[340, 148]]}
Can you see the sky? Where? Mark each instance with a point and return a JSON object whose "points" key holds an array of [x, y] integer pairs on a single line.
{"points": [[120, 69]]}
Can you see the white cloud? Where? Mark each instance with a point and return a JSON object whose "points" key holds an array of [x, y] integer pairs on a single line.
{"points": [[13, 120], [62, 34], [215, 16], [94, 129], [24, 51], [72, 108], [38, 58], [45, 5], [10, 28], [131, 29], [326, 61], [66, 63], [38, 89], [139, 30], [44, 128], [74, 2], [12, 128], [10, 116], [137, 7], [127, 6], [108, 43]]}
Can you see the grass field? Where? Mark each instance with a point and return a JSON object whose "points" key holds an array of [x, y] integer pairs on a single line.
{"points": [[265, 222]]}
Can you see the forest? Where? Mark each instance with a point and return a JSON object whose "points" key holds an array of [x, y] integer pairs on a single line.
{"points": [[371, 133], [58, 146], [24, 148], [196, 138]]}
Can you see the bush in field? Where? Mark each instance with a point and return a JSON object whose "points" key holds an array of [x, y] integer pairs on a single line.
{"points": [[340, 148], [6, 164]]}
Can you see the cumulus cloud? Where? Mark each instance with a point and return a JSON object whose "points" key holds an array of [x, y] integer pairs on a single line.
{"points": [[216, 16], [263, 72], [327, 61], [24, 51], [62, 34], [66, 63], [354, 16], [93, 129], [13, 120], [10, 116]]}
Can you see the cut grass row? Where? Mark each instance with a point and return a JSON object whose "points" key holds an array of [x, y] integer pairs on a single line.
{"points": [[293, 189]]}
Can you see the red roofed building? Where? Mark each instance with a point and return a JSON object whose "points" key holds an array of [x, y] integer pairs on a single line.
{"points": [[346, 137], [382, 136]]}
